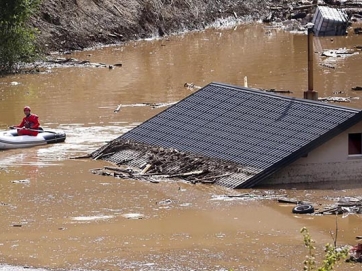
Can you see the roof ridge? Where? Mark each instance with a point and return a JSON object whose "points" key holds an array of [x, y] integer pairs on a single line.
{"points": [[277, 96]]}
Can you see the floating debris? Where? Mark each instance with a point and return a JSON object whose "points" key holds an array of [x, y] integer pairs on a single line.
{"points": [[118, 108], [357, 30], [303, 209], [335, 99], [191, 86], [165, 202], [159, 105], [275, 90], [341, 52], [152, 105], [327, 66], [91, 218], [21, 181], [133, 216], [357, 88], [355, 253]]}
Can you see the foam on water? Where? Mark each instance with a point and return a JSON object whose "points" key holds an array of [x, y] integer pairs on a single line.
{"points": [[80, 140]]}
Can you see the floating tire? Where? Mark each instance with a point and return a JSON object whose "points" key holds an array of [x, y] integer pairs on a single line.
{"points": [[303, 209]]}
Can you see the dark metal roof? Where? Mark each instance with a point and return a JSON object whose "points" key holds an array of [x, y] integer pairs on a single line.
{"points": [[261, 131]]}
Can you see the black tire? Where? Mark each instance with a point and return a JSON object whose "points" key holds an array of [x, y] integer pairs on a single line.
{"points": [[303, 209]]}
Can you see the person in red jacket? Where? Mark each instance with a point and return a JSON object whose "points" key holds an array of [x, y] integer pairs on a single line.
{"points": [[29, 123]]}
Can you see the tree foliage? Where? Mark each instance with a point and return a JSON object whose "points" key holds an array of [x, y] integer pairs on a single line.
{"points": [[17, 38], [331, 258]]}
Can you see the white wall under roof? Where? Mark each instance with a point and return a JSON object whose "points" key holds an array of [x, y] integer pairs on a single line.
{"points": [[328, 163]]}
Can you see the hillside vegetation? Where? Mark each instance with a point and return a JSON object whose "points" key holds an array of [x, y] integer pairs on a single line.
{"points": [[76, 24], [17, 38]]}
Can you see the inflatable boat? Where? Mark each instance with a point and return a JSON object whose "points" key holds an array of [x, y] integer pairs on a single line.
{"points": [[11, 140]]}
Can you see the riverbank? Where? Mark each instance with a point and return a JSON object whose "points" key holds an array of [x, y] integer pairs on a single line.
{"points": [[75, 25]]}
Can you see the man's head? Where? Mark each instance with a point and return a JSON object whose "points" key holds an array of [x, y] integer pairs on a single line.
{"points": [[27, 110]]}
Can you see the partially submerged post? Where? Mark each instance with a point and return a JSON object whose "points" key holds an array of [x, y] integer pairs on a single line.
{"points": [[326, 22], [310, 93]]}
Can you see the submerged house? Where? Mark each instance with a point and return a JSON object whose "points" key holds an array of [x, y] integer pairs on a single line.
{"points": [[275, 139], [329, 21]]}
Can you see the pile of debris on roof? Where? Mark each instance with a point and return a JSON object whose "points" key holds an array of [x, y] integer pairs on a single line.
{"points": [[140, 161]]}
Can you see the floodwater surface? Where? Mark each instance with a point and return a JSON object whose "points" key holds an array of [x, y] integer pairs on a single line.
{"points": [[56, 214]]}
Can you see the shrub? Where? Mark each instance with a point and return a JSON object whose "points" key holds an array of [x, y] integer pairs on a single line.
{"points": [[331, 257]]}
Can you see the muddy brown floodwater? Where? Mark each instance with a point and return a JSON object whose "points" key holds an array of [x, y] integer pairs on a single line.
{"points": [[55, 214]]}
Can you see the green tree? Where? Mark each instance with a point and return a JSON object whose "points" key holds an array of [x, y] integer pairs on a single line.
{"points": [[17, 38]]}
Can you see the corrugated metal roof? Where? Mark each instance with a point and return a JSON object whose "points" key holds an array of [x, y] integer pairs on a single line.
{"points": [[261, 131]]}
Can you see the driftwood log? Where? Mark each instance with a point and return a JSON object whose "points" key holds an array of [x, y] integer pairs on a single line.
{"points": [[357, 88], [276, 90], [82, 156], [211, 179], [118, 108]]}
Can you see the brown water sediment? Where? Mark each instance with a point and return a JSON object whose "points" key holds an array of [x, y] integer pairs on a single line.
{"points": [[56, 214]]}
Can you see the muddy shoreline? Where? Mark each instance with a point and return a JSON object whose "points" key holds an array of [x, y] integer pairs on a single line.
{"points": [[75, 25], [78, 25]]}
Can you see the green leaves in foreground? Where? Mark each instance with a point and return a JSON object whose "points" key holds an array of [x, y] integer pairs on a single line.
{"points": [[331, 257], [17, 39]]}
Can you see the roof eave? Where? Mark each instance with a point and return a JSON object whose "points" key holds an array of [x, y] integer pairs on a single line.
{"points": [[301, 152]]}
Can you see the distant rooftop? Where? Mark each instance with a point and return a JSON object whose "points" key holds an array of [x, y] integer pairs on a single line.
{"points": [[261, 131]]}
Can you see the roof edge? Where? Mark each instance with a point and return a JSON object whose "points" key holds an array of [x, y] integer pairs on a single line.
{"points": [[302, 151], [282, 97]]}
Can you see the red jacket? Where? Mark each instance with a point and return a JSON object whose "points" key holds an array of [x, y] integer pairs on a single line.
{"points": [[30, 122]]}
